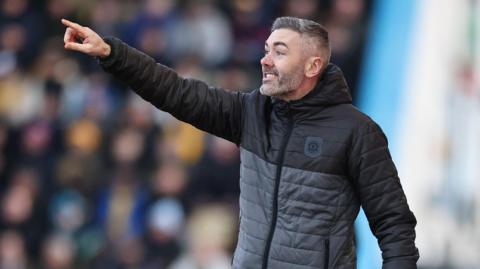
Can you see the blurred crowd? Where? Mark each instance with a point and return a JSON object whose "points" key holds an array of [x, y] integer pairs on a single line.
{"points": [[91, 176]]}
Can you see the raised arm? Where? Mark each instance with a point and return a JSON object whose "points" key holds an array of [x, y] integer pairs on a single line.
{"points": [[382, 197], [214, 110]]}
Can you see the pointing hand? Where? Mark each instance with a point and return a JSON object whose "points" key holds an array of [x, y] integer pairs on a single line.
{"points": [[85, 40]]}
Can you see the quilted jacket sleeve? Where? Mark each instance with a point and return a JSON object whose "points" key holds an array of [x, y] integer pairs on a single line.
{"points": [[382, 197], [213, 110]]}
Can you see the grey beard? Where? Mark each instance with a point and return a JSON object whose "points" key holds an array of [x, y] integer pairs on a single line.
{"points": [[276, 91], [285, 85]]}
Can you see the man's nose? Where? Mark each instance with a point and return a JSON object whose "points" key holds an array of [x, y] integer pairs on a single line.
{"points": [[266, 60]]}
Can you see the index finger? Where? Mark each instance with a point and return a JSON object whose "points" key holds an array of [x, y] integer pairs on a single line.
{"points": [[75, 26]]}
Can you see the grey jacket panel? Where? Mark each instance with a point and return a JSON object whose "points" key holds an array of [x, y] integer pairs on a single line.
{"points": [[256, 197], [310, 207]]}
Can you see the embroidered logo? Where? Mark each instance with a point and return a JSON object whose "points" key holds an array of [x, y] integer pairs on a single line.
{"points": [[313, 146]]}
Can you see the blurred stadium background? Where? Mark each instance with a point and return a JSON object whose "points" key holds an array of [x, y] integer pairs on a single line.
{"points": [[93, 177]]}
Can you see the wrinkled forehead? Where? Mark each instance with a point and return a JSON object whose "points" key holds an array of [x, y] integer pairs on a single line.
{"points": [[284, 36]]}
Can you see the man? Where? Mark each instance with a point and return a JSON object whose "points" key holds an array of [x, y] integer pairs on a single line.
{"points": [[309, 158]]}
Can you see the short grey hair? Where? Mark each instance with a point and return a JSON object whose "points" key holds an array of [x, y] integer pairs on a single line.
{"points": [[307, 28]]}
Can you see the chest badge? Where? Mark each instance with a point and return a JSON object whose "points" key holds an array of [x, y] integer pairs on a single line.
{"points": [[313, 146]]}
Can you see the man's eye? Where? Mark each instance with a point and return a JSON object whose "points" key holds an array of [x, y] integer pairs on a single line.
{"points": [[265, 52], [280, 53]]}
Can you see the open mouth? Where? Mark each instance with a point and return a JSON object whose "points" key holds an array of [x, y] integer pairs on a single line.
{"points": [[267, 76]]}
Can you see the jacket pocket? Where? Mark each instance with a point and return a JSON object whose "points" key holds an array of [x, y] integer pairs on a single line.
{"points": [[327, 254]]}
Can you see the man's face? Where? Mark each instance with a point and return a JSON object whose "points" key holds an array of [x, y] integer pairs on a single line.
{"points": [[282, 65]]}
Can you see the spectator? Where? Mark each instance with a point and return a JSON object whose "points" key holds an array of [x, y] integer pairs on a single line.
{"points": [[210, 229], [22, 208], [215, 177], [13, 254], [347, 24], [58, 252], [16, 17], [198, 32], [165, 224]]}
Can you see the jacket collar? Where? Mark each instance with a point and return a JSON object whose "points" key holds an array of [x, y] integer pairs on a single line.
{"points": [[331, 89]]}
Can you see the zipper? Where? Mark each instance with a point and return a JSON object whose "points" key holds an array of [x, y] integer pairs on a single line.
{"points": [[273, 224], [327, 253]]}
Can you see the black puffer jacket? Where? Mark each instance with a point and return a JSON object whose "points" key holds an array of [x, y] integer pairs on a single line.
{"points": [[307, 166]]}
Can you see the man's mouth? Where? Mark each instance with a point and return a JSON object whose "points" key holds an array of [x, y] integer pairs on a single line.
{"points": [[267, 76]]}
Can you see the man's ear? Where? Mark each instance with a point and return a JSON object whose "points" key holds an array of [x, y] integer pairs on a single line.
{"points": [[313, 66]]}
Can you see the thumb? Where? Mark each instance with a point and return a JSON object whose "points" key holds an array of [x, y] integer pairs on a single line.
{"points": [[76, 47]]}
